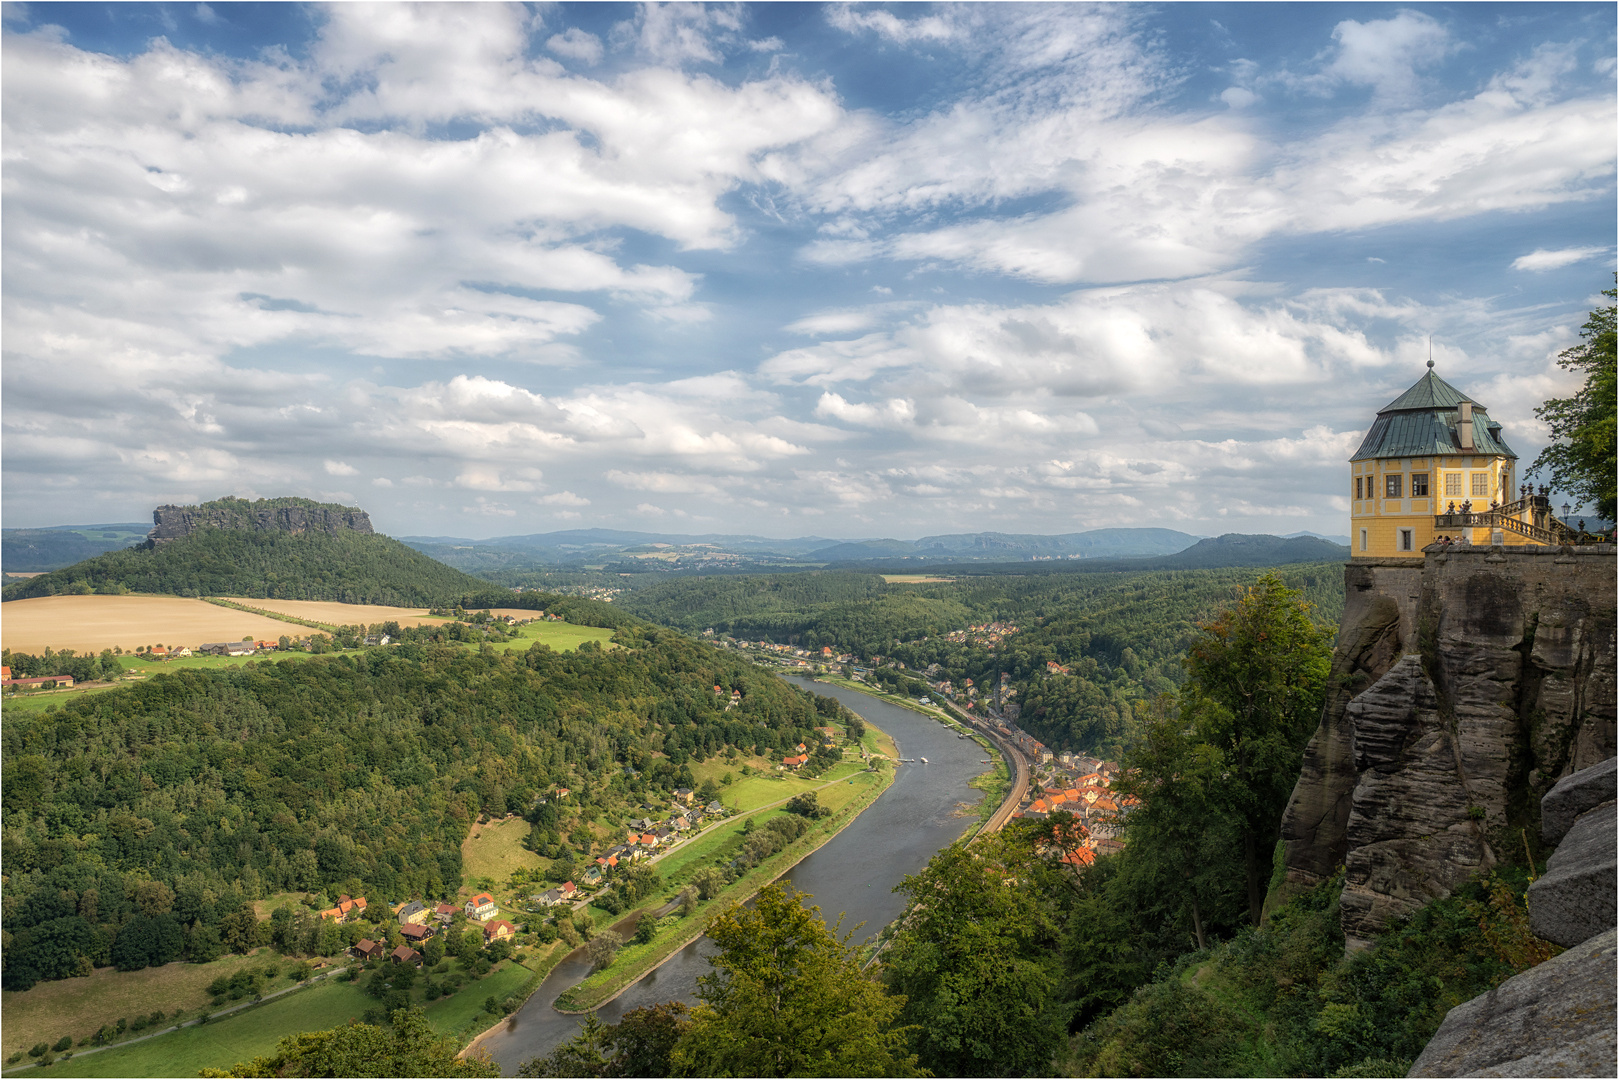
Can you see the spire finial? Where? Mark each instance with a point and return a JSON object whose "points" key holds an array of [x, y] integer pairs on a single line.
{"points": [[1430, 365]]}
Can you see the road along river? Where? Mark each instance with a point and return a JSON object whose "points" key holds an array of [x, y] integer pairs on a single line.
{"points": [[854, 873]]}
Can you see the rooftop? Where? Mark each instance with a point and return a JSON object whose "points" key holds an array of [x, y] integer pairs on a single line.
{"points": [[1422, 423]]}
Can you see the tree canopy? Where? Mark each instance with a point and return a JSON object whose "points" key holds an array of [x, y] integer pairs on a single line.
{"points": [[406, 1046], [1581, 457]]}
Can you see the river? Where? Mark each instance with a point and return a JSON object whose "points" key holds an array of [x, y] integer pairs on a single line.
{"points": [[854, 874]]}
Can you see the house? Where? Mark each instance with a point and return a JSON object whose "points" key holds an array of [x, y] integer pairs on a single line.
{"points": [[368, 950], [332, 913], [568, 890], [406, 955], [607, 862], [414, 913], [498, 930], [158, 650], [562, 793], [715, 807], [794, 762], [640, 824], [593, 876], [445, 912], [481, 907], [349, 907], [683, 795], [415, 933]]}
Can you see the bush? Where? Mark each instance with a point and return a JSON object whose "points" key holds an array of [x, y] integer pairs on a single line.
{"points": [[64, 1043], [38, 1049]]}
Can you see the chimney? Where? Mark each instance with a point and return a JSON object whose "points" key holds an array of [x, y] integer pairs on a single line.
{"points": [[1464, 425]]}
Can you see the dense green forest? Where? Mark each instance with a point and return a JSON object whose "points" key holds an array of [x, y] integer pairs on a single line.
{"points": [[149, 815], [349, 567], [1122, 636]]}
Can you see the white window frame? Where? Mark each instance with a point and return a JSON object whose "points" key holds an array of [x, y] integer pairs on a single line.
{"points": [[1453, 485], [1480, 487]]}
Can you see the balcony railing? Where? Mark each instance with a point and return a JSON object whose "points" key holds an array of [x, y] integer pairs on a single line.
{"points": [[1530, 516]]}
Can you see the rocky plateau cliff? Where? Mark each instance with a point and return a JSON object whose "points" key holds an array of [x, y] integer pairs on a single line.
{"points": [[290, 515], [1463, 688]]}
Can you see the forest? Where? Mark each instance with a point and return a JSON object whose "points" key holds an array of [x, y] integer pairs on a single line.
{"points": [[1121, 636], [138, 821], [349, 567]]}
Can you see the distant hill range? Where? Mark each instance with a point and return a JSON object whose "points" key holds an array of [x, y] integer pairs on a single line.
{"points": [[1232, 549], [289, 548], [581, 546], [30, 551]]}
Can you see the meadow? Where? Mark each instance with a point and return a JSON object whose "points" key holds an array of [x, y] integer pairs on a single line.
{"points": [[93, 623]]}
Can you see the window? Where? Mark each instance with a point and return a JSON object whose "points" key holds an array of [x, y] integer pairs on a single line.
{"points": [[1363, 539], [1405, 539], [1419, 485], [1393, 486], [1453, 485], [1357, 487], [1481, 485]]}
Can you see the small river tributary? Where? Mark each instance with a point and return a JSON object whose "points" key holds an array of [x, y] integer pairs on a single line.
{"points": [[853, 874]]}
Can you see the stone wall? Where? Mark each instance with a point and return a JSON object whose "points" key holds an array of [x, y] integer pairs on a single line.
{"points": [[278, 515], [1462, 689]]}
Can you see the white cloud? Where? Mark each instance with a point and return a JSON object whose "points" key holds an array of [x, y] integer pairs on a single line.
{"points": [[338, 468], [576, 44], [1541, 260]]}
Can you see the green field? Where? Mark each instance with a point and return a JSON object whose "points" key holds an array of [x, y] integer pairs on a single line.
{"points": [[221, 1043], [560, 636], [252, 1032]]}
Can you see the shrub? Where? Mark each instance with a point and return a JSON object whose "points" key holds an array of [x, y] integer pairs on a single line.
{"points": [[64, 1043], [37, 1049]]}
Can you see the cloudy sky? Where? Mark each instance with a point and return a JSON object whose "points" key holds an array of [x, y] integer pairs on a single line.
{"points": [[784, 269]]}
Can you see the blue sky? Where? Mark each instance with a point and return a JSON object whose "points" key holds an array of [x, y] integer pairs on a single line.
{"points": [[850, 270]]}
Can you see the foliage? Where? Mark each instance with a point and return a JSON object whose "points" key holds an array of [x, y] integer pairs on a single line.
{"points": [[806, 805], [1258, 677], [1581, 456], [406, 1046], [601, 949], [86, 668], [638, 1045], [977, 962], [787, 998], [139, 822], [1283, 1000]]}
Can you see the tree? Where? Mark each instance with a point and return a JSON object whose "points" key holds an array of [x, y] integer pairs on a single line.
{"points": [[787, 998], [602, 948], [710, 882], [638, 1045], [1581, 458], [407, 1046], [1258, 677], [1181, 838], [975, 958]]}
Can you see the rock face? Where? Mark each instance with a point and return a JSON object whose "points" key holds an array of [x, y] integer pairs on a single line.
{"points": [[265, 515], [1462, 689], [1577, 896], [1555, 1019], [1573, 795]]}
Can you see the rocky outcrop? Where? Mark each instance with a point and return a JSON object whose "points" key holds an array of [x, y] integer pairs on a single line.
{"points": [[264, 515], [1577, 896], [1573, 795], [1462, 689], [1556, 1019]]}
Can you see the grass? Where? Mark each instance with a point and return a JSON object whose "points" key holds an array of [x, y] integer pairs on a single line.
{"points": [[455, 1014], [560, 636], [494, 849], [221, 1043], [77, 1007]]}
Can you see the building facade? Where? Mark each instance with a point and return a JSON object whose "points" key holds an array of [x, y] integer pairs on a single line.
{"points": [[1431, 460]]}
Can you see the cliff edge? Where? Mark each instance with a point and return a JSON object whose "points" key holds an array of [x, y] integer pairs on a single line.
{"points": [[1463, 688], [289, 515]]}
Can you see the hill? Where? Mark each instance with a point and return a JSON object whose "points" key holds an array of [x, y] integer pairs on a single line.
{"points": [[1238, 549], [289, 549], [26, 551]]}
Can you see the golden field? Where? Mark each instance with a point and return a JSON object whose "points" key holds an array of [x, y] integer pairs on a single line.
{"points": [[335, 614], [92, 623]]}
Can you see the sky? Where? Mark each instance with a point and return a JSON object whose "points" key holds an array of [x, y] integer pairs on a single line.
{"points": [[786, 269]]}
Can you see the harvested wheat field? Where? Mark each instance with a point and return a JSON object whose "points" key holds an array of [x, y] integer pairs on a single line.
{"points": [[92, 623], [335, 614]]}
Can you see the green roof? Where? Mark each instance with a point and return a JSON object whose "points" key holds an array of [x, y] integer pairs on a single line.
{"points": [[1422, 423]]}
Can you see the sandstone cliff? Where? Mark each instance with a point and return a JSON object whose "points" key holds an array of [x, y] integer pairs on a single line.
{"points": [[1462, 689], [288, 515]]}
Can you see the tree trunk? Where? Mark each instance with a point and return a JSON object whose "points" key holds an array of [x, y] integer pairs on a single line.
{"points": [[1250, 855], [1197, 925]]}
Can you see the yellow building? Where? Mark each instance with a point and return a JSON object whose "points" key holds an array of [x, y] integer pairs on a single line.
{"points": [[1435, 465]]}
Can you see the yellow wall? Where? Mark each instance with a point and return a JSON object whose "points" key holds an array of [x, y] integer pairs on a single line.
{"points": [[1381, 518]]}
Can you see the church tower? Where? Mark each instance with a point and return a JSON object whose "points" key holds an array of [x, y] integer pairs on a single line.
{"points": [[1434, 464]]}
